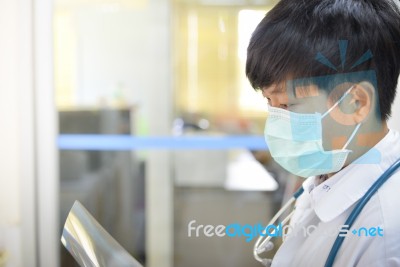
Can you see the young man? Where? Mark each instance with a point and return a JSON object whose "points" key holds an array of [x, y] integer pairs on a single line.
{"points": [[329, 70]]}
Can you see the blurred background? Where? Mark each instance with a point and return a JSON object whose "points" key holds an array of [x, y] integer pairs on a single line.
{"points": [[139, 109]]}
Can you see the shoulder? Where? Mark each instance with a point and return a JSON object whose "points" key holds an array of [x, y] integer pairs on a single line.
{"points": [[376, 237], [387, 201]]}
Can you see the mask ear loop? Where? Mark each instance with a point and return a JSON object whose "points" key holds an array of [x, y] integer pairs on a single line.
{"points": [[352, 135], [334, 106], [337, 102]]}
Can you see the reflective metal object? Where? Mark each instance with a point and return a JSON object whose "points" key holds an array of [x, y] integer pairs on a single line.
{"points": [[90, 244]]}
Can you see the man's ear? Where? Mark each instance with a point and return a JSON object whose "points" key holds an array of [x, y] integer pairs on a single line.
{"points": [[362, 98], [359, 106]]}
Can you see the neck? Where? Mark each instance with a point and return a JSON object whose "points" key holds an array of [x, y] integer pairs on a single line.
{"points": [[364, 143], [370, 140]]}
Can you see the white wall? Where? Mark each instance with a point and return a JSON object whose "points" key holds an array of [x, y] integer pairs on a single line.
{"points": [[16, 130], [113, 51], [45, 130], [121, 53], [28, 202]]}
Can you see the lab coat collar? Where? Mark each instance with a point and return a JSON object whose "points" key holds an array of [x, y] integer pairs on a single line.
{"points": [[334, 196]]}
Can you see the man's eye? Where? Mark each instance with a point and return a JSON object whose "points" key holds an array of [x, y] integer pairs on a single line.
{"points": [[293, 107], [268, 99], [284, 106]]}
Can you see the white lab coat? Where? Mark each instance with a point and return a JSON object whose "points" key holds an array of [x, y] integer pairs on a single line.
{"points": [[328, 205]]}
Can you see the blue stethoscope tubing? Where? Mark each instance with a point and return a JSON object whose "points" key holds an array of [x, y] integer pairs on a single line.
{"points": [[358, 208]]}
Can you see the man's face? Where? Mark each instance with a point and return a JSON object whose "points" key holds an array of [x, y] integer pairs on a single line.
{"points": [[310, 99]]}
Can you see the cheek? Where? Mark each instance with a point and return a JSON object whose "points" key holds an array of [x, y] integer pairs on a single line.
{"points": [[310, 104], [339, 142], [333, 134]]}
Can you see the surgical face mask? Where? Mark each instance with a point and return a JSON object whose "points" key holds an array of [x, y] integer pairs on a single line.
{"points": [[295, 142]]}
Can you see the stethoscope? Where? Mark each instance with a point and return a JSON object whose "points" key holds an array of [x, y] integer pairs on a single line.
{"points": [[265, 245]]}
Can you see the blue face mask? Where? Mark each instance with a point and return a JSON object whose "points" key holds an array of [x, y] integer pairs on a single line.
{"points": [[295, 142]]}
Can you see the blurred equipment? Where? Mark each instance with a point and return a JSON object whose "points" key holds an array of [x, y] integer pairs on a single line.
{"points": [[110, 184]]}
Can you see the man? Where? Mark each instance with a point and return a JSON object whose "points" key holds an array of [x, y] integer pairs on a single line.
{"points": [[329, 70]]}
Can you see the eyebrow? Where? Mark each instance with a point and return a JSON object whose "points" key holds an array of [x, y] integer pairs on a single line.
{"points": [[273, 89]]}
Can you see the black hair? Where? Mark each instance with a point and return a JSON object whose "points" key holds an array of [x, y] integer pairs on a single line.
{"points": [[287, 41]]}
